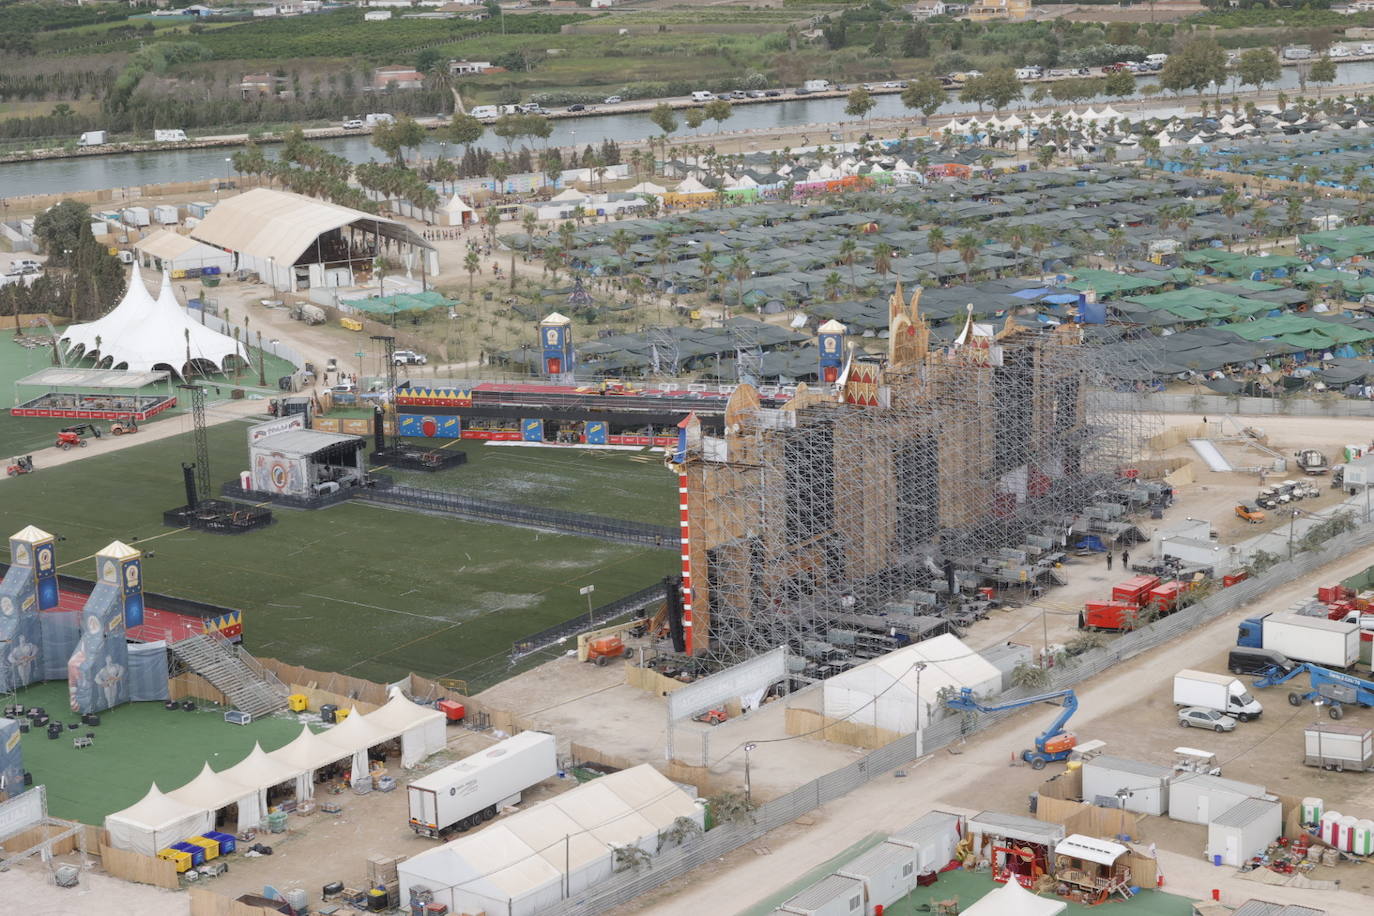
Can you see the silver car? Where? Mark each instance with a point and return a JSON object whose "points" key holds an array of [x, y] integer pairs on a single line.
{"points": [[1197, 717]]}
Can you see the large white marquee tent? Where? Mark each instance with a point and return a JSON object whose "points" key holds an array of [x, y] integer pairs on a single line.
{"points": [[530, 861], [143, 333], [161, 819]]}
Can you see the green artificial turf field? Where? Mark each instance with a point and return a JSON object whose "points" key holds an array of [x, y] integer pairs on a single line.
{"points": [[360, 589], [136, 744]]}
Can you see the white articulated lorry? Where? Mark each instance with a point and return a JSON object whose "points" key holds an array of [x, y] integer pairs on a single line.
{"points": [[464, 794]]}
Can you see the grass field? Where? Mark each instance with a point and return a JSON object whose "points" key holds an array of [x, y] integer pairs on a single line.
{"points": [[360, 589], [136, 744], [628, 485]]}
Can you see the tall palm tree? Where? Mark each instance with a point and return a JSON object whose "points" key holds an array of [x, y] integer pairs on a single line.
{"points": [[882, 259], [472, 264], [832, 286], [935, 241], [740, 270], [708, 266], [967, 245], [662, 245], [620, 241], [849, 251], [1039, 238]]}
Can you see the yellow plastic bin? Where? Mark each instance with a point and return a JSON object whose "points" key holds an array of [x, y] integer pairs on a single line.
{"points": [[297, 702], [341, 715], [210, 846], [182, 860]]}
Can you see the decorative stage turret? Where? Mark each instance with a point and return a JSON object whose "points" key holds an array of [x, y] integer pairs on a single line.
{"points": [[555, 339], [97, 673], [30, 586], [830, 337]]}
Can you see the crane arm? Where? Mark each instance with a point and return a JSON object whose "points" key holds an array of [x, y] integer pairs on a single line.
{"points": [[967, 700], [1276, 677]]}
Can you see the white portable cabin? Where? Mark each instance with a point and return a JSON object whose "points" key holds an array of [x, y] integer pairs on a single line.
{"points": [[888, 873], [1141, 787], [1198, 799], [835, 895], [1245, 831], [934, 837]]}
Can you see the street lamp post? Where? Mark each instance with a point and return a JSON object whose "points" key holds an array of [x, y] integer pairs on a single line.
{"points": [[587, 590], [920, 666], [748, 784]]}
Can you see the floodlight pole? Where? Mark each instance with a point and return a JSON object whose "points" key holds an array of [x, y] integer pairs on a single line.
{"points": [[920, 704], [748, 784], [587, 590]]}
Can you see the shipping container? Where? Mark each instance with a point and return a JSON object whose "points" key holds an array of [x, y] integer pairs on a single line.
{"points": [[165, 215], [1135, 589], [475, 788], [136, 216]]}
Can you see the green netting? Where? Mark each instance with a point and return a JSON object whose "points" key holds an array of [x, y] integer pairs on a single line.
{"points": [[1107, 283], [401, 302]]}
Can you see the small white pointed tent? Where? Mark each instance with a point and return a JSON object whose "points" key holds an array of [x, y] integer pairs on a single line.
{"points": [[356, 734], [155, 822], [308, 753], [143, 333], [261, 772], [212, 791], [648, 187], [456, 212], [422, 728], [690, 185], [1011, 899]]}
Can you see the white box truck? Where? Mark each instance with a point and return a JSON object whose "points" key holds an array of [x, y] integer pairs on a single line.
{"points": [[1339, 747], [92, 138], [818, 85], [1221, 692], [472, 790], [169, 136], [374, 119], [1329, 643]]}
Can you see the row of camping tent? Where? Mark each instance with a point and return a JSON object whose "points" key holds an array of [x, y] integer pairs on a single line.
{"points": [[163, 818]]}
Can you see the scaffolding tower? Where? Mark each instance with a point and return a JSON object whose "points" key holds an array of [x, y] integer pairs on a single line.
{"points": [[927, 472]]}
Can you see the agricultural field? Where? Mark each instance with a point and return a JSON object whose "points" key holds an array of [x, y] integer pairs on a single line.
{"points": [[358, 589]]}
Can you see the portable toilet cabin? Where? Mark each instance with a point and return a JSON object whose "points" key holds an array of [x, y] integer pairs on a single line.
{"points": [[834, 895], [1197, 799], [1117, 782], [934, 837], [1245, 831], [888, 873]]}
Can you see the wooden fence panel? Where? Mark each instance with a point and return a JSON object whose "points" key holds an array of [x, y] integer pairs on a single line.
{"points": [[208, 903], [810, 722], [132, 866], [190, 684]]}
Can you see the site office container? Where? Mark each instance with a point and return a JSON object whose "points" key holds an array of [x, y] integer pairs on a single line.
{"points": [[1111, 615], [1338, 747]]}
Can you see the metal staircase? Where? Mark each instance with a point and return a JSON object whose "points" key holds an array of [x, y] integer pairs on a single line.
{"points": [[235, 673]]}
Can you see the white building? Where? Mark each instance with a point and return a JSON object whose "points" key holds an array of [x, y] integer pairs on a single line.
{"points": [[1245, 831], [1199, 799], [376, 15], [166, 250], [1138, 786]]}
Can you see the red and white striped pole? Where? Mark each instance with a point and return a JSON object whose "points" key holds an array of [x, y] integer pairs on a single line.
{"points": [[686, 540]]}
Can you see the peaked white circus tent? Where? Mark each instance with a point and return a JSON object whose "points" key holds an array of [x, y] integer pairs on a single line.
{"points": [[211, 791], [422, 728], [1011, 899], [156, 822], [357, 734], [648, 187], [308, 753], [142, 333], [261, 772]]}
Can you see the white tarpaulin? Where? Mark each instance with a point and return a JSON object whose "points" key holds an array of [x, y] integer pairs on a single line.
{"points": [[156, 822], [143, 333], [422, 728]]}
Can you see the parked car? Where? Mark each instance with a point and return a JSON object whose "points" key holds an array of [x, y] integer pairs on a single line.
{"points": [[22, 267], [613, 100], [353, 124], [1250, 513], [1339, 51], [577, 108], [772, 93], [1197, 717], [1366, 49], [756, 93], [1247, 660], [409, 358], [891, 84]]}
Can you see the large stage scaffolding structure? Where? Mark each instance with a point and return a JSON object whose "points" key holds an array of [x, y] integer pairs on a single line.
{"points": [[917, 479]]}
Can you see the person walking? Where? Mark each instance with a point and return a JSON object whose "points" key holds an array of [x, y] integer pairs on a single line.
{"points": [[1125, 560], [1109, 561]]}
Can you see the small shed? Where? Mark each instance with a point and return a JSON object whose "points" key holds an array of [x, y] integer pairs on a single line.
{"points": [[1015, 845], [835, 895], [1264, 908], [888, 873], [1141, 787], [1197, 798], [1091, 869], [1244, 831], [934, 837]]}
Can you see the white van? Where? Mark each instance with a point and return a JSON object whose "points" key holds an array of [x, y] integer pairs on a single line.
{"points": [[485, 112], [1156, 58], [702, 96]]}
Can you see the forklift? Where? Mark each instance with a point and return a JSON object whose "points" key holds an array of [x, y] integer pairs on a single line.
{"points": [[70, 436]]}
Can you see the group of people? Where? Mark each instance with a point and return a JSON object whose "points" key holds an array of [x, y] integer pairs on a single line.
{"points": [[442, 235], [1125, 560]]}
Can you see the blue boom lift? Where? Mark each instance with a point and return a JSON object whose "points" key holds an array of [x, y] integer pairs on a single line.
{"points": [[1332, 689], [1051, 745]]}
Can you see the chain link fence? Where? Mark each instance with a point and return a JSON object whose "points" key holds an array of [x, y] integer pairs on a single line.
{"points": [[834, 785], [621, 607]]}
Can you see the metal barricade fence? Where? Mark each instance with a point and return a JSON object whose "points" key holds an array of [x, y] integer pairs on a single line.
{"points": [[834, 785]]}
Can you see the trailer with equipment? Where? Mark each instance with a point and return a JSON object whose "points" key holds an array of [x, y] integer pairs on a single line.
{"points": [[464, 794], [1051, 745], [1338, 747]]}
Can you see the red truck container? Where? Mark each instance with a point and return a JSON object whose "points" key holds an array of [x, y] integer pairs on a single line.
{"points": [[1164, 598], [1135, 590], [1110, 615]]}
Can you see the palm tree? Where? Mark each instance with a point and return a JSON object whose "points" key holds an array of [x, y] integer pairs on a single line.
{"points": [[882, 259], [621, 242], [530, 222], [832, 286], [472, 264], [740, 270], [662, 245], [935, 241], [967, 245], [1116, 243], [708, 266], [848, 255], [1230, 206], [1039, 240]]}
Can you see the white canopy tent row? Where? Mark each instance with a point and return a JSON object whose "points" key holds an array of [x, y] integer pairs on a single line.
{"points": [[531, 860], [251, 785], [142, 333]]}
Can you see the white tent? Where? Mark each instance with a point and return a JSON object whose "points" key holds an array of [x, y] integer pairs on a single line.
{"points": [[529, 861], [212, 791], [308, 753], [423, 729], [356, 735], [143, 333], [155, 822], [1011, 899], [884, 691], [261, 772], [648, 187], [456, 212], [170, 251], [690, 185]]}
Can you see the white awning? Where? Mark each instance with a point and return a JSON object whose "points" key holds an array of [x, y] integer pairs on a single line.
{"points": [[1090, 849]]}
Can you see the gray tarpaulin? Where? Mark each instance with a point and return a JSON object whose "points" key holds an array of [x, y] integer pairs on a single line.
{"points": [[148, 671], [61, 631]]}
